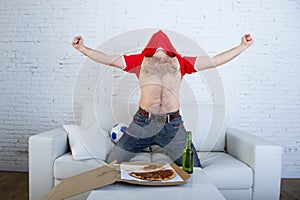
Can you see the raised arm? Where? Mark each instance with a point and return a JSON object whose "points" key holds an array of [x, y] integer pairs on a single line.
{"points": [[206, 62], [98, 56]]}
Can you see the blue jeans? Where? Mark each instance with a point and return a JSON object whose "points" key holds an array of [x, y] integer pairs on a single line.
{"points": [[144, 132]]}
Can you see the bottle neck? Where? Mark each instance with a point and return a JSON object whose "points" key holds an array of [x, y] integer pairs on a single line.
{"points": [[188, 143]]}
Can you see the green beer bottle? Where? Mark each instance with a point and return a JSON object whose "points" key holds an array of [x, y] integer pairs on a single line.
{"points": [[188, 154]]}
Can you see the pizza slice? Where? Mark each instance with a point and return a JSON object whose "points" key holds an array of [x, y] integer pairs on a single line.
{"points": [[158, 175], [153, 167]]}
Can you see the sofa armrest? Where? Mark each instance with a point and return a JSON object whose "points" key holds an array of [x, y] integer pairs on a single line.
{"points": [[44, 148], [262, 156]]}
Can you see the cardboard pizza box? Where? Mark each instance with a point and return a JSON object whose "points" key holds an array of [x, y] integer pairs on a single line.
{"points": [[103, 176]]}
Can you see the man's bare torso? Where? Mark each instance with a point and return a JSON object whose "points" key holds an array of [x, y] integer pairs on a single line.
{"points": [[160, 80]]}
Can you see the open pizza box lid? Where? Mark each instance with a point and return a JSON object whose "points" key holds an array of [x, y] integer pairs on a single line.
{"points": [[103, 176]]}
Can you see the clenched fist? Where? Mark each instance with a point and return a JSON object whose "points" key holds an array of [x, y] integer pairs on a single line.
{"points": [[77, 42], [247, 40]]}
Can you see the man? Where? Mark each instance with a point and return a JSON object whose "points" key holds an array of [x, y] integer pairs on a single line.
{"points": [[160, 69]]}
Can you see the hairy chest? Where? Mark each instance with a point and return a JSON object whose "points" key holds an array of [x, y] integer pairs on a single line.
{"points": [[160, 66]]}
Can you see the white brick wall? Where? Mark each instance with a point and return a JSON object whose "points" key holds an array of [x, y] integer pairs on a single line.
{"points": [[39, 67]]}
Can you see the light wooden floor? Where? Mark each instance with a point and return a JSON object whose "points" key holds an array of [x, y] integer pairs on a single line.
{"points": [[14, 186]]}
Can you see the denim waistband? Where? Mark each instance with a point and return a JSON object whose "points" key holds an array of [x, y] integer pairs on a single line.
{"points": [[159, 117]]}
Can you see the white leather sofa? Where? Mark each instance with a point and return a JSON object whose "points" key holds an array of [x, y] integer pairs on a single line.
{"points": [[242, 166]]}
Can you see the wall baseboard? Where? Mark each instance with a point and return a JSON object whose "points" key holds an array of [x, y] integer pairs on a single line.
{"points": [[294, 174], [14, 168]]}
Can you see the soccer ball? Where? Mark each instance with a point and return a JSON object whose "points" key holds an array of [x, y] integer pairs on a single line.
{"points": [[117, 131]]}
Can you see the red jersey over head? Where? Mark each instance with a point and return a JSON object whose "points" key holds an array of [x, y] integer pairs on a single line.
{"points": [[132, 63]]}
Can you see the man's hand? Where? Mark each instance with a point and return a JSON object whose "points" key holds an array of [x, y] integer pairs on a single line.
{"points": [[77, 42], [247, 41]]}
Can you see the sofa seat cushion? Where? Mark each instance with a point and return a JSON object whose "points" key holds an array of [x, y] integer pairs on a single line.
{"points": [[161, 158], [226, 171], [141, 157], [65, 166]]}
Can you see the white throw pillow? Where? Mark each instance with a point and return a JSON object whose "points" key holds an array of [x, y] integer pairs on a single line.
{"points": [[88, 143]]}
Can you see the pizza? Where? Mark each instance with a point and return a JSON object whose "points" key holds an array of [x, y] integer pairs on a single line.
{"points": [[158, 175], [153, 167]]}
